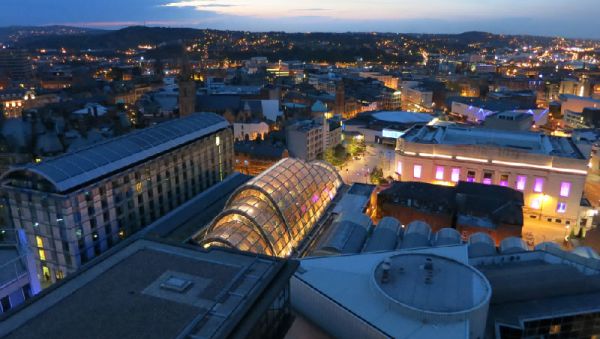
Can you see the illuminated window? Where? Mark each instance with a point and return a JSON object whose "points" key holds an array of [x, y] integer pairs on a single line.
{"points": [[565, 189], [487, 178], [471, 176], [536, 203], [561, 207], [538, 185], [439, 172], [554, 329], [521, 182], [399, 168], [455, 176], [504, 180], [40, 245], [417, 171]]}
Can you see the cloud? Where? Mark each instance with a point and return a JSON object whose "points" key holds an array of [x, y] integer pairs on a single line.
{"points": [[314, 9], [197, 4]]}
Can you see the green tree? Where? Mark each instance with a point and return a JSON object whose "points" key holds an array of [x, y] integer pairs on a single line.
{"points": [[376, 176], [357, 147], [336, 156]]}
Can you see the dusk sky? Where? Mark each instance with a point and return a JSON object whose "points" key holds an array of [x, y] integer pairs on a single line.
{"points": [[570, 18]]}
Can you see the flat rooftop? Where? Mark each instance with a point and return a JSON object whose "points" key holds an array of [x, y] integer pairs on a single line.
{"points": [[446, 286], [539, 284], [148, 290], [346, 280], [530, 142]]}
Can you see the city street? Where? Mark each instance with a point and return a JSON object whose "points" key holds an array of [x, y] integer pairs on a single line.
{"points": [[376, 155]]}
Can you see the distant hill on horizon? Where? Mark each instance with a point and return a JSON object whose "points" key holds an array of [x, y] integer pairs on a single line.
{"points": [[12, 34]]}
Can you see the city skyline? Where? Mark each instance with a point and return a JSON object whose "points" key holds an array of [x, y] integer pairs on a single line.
{"points": [[536, 17]]}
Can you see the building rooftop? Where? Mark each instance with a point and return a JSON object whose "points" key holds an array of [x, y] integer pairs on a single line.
{"points": [[534, 284], [151, 290], [401, 309], [530, 142], [403, 117], [85, 165], [510, 115], [265, 149], [431, 283]]}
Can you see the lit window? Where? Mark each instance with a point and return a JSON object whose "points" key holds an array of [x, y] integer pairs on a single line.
{"points": [[487, 178], [554, 329], [504, 180], [536, 203], [521, 182], [40, 245], [399, 168], [561, 207], [565, 189], [455, 176], [417, 171], [439, 173], [538, 185], [471, 176]]}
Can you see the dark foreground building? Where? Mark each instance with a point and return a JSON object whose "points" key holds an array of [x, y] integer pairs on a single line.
{"points": [[152, 289]]}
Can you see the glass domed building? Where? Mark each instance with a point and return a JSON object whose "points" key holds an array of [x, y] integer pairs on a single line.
{"points": [[273, 212]]}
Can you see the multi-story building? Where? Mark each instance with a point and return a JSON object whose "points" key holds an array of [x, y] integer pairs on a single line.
{"points": [[13, 102], [18, 278], [417, 99], [16, 63], [550, 171], [305, 140], [573, 103], [76, 206]]}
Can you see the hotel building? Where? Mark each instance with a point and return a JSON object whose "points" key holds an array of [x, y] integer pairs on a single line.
{"points": [[550, 171], [76, 206]]}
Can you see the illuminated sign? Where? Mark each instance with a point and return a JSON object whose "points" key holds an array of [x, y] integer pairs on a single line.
{"points": [[390, 133]]}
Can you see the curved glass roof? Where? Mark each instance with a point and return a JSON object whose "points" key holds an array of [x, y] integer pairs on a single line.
{"points": [[76, 168], [273, 212]]}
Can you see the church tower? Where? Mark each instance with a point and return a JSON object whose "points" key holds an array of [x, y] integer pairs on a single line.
{"points": [[187, 88], [340, 99]]}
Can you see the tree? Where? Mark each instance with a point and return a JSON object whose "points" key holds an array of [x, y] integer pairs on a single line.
{"points": [[357, 146], [336, 156], [376, 176]]}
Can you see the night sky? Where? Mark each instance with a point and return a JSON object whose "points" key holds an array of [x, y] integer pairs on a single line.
{"points": [[572, 18]]}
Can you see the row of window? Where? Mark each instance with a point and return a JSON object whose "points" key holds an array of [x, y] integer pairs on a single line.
{"points": [[521, 182]]}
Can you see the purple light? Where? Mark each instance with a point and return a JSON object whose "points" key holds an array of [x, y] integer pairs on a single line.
{"points": [[439, 173], [538, 185], [504, 183], [470, 179], [417, 171], [565, 189], [455, 176], [561, 208], [521, 182], [399, 168], [315, 198], [487, 181], [303, 209]]}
